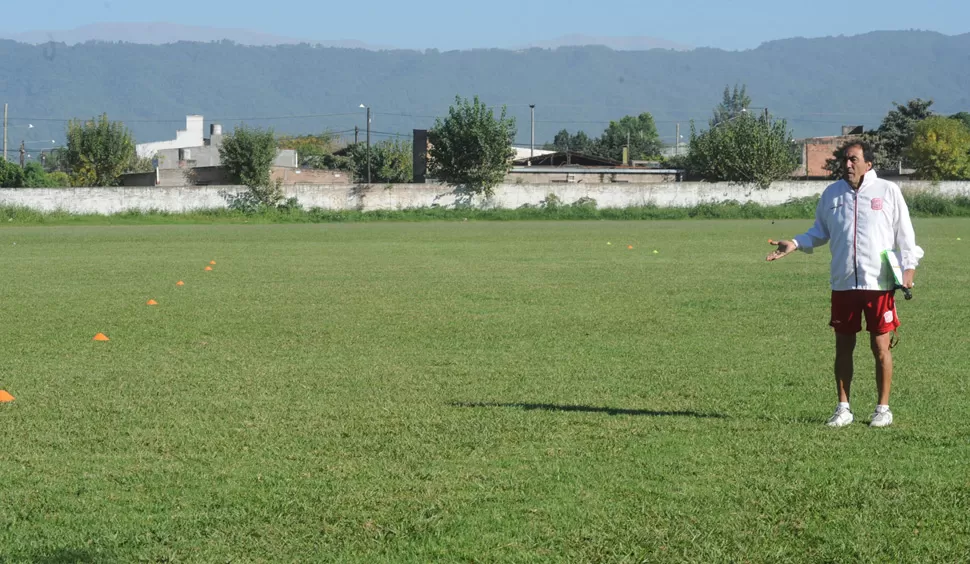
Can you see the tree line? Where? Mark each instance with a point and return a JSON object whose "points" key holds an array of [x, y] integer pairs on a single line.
{"points": [[471, 147]]}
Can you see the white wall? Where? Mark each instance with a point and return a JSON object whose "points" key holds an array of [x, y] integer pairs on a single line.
{"points": [[401, 196]]}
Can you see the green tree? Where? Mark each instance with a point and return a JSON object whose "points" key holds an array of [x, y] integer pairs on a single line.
{"points": [[56, 160], [733, 104], [11, 175], [962, 116], [36, 177], [745, 149], [471, 148], [390, 161], [897, 128], [578, 143], [940, 149], [836, 164], [248, 154], [98, 151], [312, 150], [641, 133]]}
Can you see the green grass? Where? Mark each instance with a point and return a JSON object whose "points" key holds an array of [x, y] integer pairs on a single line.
{"points": [[480, 391]]}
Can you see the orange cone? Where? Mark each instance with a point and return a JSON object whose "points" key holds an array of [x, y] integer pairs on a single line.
{"points": [[151, 302], [180, 283], [208, 268], [5, 397], [101, 337], [212, 262], [629, 246]]}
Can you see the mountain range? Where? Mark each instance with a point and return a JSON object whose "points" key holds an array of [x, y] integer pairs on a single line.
{"points": [[818, 84], [160, 33]]}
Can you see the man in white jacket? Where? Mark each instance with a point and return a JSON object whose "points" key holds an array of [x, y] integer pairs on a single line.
{"points": [[861, 216]]}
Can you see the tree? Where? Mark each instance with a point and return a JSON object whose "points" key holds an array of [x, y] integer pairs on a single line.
{"points": [[36, 177], [733, 104], [248, 155], [578, 143], [470, 147], [897, 128], [312, 150], [390, 161], [56, 160], [11, 175], [836, 164], [98, 151], [962, 116], [940, 149], [639, 131], [745, 149]]}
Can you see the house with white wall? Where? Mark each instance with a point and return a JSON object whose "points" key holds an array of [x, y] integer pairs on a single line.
{"points": [[191, 149]]}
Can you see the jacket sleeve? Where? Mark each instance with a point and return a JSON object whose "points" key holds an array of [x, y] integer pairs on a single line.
{"points": [[905, 237], [818, 235]]}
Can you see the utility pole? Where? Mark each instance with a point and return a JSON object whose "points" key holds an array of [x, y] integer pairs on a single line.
{"points": [[356, 132], [5, 133], [532, 143], [368, 144], [677, 141], [629, 154]]}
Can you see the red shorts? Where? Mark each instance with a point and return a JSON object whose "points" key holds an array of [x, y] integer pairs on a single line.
{"points": [[879, 307]]}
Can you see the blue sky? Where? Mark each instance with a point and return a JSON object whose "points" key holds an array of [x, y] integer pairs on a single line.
{"points": [[502, 23]]}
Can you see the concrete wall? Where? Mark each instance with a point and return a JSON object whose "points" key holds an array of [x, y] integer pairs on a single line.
{"points": [[217, 176], [401, 196], [561, 175]]}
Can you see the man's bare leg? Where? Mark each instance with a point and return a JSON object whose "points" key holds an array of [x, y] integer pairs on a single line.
{"points": [[844, 347]]}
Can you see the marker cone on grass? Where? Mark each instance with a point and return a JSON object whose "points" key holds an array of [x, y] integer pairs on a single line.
{"points": [[208, 268], [5, 396], [151, 302], [212, 262], [180, 283], [101, 337]]}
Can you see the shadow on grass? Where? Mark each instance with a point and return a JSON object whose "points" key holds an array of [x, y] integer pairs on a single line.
{"points": [[591, 409]]}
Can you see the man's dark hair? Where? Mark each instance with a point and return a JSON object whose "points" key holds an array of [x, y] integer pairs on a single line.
{"points": [[867, 153]]}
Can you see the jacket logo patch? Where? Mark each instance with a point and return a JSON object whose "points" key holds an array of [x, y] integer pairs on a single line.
{"points": [[877, 204]]}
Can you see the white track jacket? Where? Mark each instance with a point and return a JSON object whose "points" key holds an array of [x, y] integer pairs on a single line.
{"points": [[859, 226]]}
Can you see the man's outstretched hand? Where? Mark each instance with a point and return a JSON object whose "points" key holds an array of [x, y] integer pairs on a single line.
{"points": [[784, 247]]}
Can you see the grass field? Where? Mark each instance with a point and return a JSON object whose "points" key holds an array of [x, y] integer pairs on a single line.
{"points": [[468, 391]]}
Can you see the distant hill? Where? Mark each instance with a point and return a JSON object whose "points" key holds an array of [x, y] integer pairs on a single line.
{"points": [[302, 89], [628, 43], [159, 33]]}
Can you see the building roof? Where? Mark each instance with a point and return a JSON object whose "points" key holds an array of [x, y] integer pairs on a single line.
{"points": [[561, 158]]}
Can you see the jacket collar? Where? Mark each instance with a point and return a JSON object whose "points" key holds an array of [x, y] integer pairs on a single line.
{"points": [[867, 180]]}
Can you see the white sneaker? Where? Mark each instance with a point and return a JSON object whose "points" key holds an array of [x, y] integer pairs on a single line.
{"points": [[840, 418], [883, 419]]}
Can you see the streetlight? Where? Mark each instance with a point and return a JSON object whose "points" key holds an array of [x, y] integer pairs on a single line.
{"points": [[368, 141]]}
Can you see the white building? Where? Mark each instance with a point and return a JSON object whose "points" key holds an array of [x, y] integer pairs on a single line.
{"points": [[192, 136], [191, 149]]}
